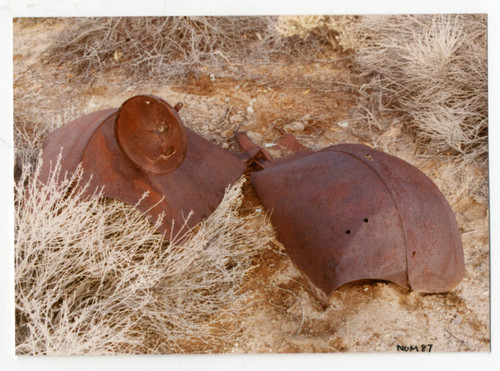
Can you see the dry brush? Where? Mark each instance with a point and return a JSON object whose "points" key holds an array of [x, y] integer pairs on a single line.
{"points": [[92, 276]]}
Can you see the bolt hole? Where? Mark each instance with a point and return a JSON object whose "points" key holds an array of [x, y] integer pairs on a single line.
{"points": [[413, 254], [348, 231], [365, 220]]}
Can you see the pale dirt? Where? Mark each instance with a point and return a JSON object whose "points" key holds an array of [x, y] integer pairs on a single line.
{"points": [[374, 317]]}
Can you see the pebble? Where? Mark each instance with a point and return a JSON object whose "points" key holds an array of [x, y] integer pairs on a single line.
{"points": [[226, 133], [236, 119], [457, 320], [255, 137], [344, 124], [295, 126], [248, 125], [204, 127]]}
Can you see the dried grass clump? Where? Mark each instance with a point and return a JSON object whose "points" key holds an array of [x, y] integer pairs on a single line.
{"points": [[429, 71], [28, 139], [168, 48], [94, 277]]}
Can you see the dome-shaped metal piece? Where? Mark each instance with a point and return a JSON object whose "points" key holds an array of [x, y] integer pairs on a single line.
{"points": [[350, 213]]}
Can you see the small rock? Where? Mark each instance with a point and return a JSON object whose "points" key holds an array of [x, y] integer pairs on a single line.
{"points": [[269, 145], [250, 110], [204, 127], [255, 137], [248, 125], [235, 119], [295, 126], [211, 127], [226, 133], [274, 152], [343, 124]]}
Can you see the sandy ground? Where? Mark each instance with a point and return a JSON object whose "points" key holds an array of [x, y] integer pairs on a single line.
{"points": [[374, 317]]}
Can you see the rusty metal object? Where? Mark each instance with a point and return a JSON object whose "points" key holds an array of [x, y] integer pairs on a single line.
{"points": [[254, 155], [149, 132], [350, 213], [143, 147]]}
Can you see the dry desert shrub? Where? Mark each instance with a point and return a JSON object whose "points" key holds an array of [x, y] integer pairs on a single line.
{"points": [[430, 72], [93, 276], [168, 48], [28, 138]]}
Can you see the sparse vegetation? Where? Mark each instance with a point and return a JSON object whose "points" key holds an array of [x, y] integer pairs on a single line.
{"points": [[94, 277], [169, 48], [430, 72]]}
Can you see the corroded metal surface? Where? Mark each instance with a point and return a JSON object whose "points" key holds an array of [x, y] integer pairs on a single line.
{"points": [[253, 154], [149, 132], [143, 147], [350, 213]]}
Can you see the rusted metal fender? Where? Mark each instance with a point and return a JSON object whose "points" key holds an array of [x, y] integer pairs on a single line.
{"points": [[350, 213], [143, 147]]}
